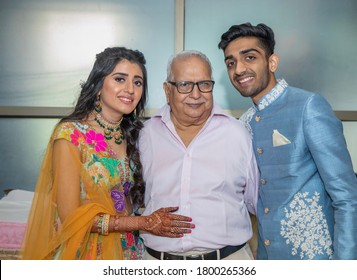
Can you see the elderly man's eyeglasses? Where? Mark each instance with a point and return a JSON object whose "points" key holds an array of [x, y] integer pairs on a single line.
{"points": [[185, 87]]}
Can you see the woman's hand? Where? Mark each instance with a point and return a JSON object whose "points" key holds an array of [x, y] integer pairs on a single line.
{"points": [[163, 223]]}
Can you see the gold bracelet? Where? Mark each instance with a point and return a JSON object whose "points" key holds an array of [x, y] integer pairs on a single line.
{"points": [[99, 224], [105, 225]]}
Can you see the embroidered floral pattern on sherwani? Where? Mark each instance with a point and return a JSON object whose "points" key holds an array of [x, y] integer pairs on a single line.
{"points": [[305, 227], [263, 103], [273, 94], [247, 117]]}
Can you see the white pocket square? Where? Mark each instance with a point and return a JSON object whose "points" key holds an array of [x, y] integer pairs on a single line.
{"points": [[279, 139]]}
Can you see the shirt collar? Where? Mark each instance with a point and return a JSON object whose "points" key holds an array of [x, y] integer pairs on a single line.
{"points": [[272, 95]]}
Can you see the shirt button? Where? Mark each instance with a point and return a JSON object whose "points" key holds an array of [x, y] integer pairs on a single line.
{"points": [[260, 150], [267, 242], [263, 181], [257, 118], [266, 210]]}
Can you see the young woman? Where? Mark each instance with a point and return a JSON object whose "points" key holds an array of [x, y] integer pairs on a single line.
{"points": [[91, 182]]}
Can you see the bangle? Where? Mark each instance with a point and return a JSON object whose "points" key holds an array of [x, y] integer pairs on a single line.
{"points": [[105, 224], [99, 224]]}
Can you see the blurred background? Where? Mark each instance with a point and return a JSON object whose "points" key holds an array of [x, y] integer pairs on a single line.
{"points": [[47, 48]]}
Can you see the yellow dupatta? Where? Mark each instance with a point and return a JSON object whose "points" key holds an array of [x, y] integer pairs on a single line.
{"points": [[46, 238]]}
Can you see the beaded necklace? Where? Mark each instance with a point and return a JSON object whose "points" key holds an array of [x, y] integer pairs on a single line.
{"points": [[111, 129]]}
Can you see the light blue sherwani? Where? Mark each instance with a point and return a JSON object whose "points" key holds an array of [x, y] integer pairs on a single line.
{"points": [[307, 206]]}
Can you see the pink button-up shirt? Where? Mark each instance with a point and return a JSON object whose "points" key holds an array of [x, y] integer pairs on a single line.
{"points": [[214, 180]]}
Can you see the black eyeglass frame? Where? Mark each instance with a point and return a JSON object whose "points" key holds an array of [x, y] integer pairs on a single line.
{"points": [[176, 84]]}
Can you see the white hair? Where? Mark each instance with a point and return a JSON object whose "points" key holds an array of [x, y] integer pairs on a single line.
{"points": [[185, 54]]}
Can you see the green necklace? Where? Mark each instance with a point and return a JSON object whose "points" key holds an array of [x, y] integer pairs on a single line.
{"points": [[111, 129]]}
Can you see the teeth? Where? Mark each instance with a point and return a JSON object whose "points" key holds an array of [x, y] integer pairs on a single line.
{"points": [[125, 99], [245, 80]]}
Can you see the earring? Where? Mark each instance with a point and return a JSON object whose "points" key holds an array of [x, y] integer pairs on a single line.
{"points": [[97, 106]]}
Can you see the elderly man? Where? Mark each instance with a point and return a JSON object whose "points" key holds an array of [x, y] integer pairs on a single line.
{"points": [[200, 159]]}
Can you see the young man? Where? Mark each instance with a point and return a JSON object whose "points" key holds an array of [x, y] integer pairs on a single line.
{"points": [[307, 204]]}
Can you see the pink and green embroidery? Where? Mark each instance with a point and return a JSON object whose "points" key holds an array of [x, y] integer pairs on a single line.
{"points": [[96, 139], [107, 172], [75, 137]]}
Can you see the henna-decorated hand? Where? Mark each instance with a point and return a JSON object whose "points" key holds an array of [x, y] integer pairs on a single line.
{"points": [[163, 223]]}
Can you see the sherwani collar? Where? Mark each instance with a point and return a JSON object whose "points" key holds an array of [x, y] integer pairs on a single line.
{"points": [[272, 95]]}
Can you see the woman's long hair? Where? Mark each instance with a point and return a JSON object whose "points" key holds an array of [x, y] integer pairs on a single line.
{"points": [[131, 124]]}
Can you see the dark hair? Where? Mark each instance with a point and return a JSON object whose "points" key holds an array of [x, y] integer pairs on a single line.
{"points": [[131, 124], [262, 32]]}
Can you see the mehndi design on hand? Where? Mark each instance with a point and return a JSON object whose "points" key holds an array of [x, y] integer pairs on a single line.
{"points": [[163, 223]]}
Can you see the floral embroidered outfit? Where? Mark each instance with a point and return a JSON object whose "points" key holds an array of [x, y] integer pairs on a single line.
{"points": [[105, 182], [307, 205]]}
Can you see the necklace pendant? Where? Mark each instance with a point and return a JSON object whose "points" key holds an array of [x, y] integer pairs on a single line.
{"points": [[118, 142], [118, 138], [109, 128]]}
